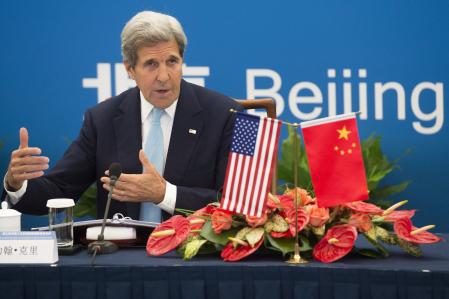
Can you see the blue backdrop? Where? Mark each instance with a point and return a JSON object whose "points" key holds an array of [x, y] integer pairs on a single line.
{"points": [[388, 59]]}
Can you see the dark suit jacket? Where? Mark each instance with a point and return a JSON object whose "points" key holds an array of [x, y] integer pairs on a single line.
{"points": [[111, 132]]}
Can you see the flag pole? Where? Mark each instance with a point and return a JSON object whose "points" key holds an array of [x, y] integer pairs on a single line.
{"points": [[296, 259]]}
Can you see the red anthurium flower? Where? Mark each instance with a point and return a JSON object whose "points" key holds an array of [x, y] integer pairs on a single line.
{"points": [[318, 216], [361, 221], [168, 235], [206, 211], [337, 243], [396, 215], [221, 220], [272, 202], [286, 201], [363, 207], [403, 228], [303, 219], [256, 221], [286, 234], [201, 214], [231, 254], [302, 194], [196, 223]]}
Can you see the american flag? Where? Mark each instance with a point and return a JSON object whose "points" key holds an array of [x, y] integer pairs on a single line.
{"points": [[249, 171]]}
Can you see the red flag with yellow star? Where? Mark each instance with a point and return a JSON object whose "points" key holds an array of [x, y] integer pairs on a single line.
{"points": [[335, 159]]}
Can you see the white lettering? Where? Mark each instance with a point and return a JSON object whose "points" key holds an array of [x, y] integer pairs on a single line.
{"points": [[294, 100], [332, 93], [363, 95], [122, 80], [102, 82], [437, 114], [272, 92], [195, 74], [379, 89], [347, 92], [424, 94]]}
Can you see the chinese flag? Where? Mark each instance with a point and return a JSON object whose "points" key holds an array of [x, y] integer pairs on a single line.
{"points": [[335, 159]]}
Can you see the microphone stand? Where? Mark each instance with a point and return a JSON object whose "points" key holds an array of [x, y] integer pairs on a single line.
{"points": [[101, 246]]}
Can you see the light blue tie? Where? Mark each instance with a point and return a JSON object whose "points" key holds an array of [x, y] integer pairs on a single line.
{"points": [[154, 150]]}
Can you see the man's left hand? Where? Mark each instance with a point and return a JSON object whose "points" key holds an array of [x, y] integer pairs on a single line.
{"points": [[148, 186]]}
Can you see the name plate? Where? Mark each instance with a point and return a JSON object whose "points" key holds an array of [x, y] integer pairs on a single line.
{"points": [[28, 247]]}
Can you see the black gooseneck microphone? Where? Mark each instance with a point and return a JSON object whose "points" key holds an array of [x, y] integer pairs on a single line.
{"points": [[101, 246]]}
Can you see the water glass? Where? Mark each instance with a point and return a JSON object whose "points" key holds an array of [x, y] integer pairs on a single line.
{"points": [[60, 217]]}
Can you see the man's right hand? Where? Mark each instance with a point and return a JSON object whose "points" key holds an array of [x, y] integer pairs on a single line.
{"points": [[26, 163]]}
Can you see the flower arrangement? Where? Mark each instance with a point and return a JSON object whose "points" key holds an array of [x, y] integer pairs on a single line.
{"points": [[326, 234]]}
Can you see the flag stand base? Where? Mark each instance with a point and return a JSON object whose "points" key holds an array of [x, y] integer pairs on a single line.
{"points": [[297, 259]]}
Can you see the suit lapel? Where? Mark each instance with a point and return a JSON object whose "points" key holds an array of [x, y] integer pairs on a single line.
{"points": [[128, 135], [187, 128]]}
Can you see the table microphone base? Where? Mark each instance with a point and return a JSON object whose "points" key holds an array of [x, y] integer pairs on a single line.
{"points": [[102, 247]]}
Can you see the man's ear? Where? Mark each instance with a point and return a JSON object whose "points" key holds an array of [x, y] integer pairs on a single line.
{"points": [[129, 70]]}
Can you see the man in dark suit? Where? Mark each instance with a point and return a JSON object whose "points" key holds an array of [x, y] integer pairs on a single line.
{"points": [[193, 131]]}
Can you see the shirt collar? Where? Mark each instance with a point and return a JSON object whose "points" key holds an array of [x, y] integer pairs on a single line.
{"points": [[146, 108]]}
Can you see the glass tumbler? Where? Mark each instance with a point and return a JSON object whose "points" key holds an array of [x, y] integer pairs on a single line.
{"points": [[60, 218]]}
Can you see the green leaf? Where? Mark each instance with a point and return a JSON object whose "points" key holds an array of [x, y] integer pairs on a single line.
{"points": [[279, 223], [182, 247], [242, 233], [319, 231], [304, 243], [385, 236], [192, 248], [382, 250], [208, 233], [372, 233], [410, 248], [87, 204], [254, 235], [377, 167], [287, 245], [208, 248], [370, 253], [284, 245], [389, 190], [286, 162]]}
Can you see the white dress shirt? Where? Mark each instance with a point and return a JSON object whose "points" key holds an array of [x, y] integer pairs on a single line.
{"points": [[169, 201]]}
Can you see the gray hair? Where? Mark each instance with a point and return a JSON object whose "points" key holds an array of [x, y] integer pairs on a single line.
{"points": [[148, 28]]}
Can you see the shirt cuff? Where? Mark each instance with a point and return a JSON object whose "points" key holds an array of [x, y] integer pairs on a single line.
{"points": [[14, 197], [169, 202]]}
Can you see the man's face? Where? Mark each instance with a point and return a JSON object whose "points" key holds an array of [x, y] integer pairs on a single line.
{"points": [[158, 73]]}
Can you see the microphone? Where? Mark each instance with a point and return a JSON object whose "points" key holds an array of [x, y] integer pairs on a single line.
{"points": [[115, 170], [101, 246]]}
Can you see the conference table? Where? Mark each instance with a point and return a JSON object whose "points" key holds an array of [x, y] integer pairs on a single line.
{"points": [[130, 273]]}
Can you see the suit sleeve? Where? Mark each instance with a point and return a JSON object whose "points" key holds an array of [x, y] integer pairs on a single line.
{"points": [[70, 177]]}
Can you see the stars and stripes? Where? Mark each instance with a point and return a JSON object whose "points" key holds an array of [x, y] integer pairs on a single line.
{"points": [[249, 170]]}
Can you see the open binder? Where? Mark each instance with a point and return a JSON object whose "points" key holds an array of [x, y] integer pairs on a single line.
{"points": [[143, 230]]}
